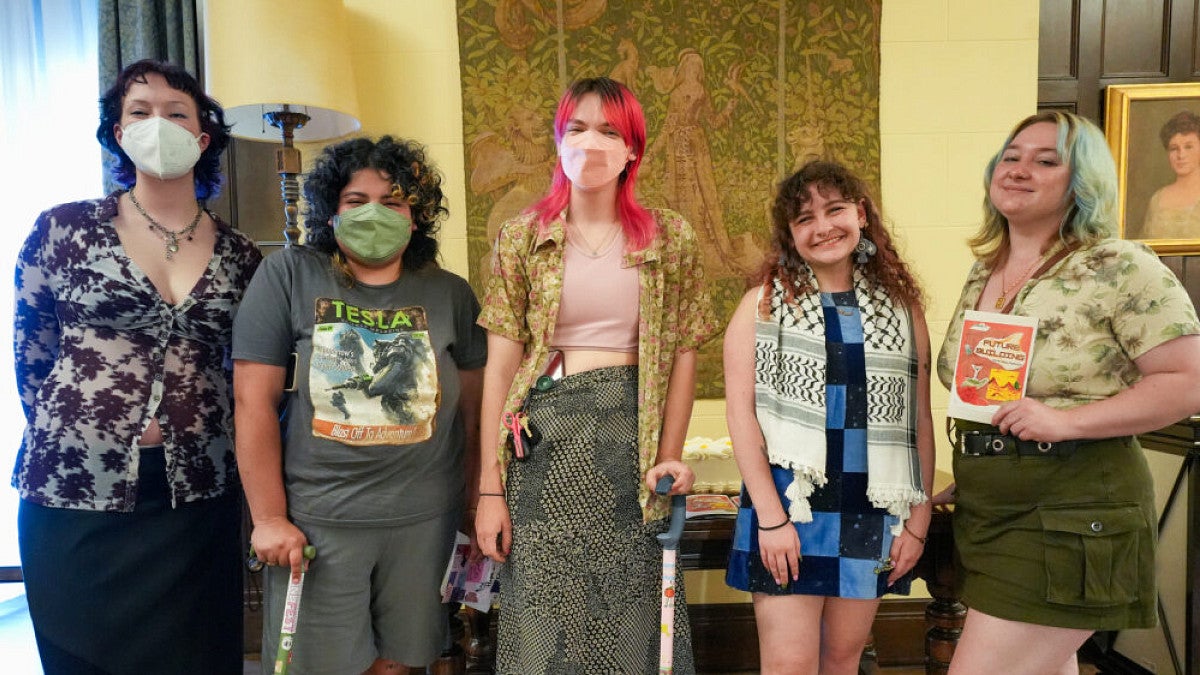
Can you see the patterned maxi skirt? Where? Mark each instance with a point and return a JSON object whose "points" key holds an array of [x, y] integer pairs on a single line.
{"points": [[580, 591]]}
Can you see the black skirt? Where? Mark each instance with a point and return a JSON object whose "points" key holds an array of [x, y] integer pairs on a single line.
{"points": [[158, 590]]}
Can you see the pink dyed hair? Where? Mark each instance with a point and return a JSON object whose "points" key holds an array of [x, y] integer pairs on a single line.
{"points": [[624, 113]]}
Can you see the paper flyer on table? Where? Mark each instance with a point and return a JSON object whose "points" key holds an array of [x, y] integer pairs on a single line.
{"points": [[992, 364], [471, 583], [710, 505]]}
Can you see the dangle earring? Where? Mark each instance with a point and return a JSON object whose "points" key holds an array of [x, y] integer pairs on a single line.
{"points": [[864, 249]]}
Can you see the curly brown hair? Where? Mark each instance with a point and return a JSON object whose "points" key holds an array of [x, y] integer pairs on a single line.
{"points": [[402, 161], [883, 270]]}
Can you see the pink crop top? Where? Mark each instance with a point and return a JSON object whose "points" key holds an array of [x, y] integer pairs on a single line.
{"points": [[599, 306]]}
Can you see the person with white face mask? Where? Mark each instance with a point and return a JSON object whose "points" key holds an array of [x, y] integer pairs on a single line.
{"points": [[129, 521], [614, 292], [375, 463]]}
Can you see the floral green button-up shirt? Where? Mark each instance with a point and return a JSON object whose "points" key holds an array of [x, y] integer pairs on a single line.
{"points": [[1098, 309], [675, 314]]}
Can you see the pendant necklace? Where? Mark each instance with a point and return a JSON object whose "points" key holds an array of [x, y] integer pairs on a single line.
{"points": [[170, 236], [1005, 289], [596, 251]]}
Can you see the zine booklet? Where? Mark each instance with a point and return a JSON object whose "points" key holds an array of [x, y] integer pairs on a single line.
{"points": [[470, 583], [992, 364]]}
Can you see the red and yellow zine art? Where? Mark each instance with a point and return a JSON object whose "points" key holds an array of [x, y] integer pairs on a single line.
{"points": [[992, 364]]}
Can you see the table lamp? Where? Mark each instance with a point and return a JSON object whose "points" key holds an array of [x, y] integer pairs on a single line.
{"points": [[282, 71]]}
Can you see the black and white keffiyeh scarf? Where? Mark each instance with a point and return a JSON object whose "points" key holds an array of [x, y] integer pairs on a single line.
{"points": [[789, 396]]}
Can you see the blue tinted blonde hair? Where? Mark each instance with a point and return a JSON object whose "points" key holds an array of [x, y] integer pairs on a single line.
{"points": [[1092, 191]]}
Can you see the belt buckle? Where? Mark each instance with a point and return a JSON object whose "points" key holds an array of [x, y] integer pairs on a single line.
{"points": [[989, 445], [962, 443]]}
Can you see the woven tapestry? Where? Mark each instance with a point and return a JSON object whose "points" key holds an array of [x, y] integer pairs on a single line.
{"points": [[737, 95]]}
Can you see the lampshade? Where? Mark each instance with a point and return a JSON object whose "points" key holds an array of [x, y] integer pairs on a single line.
{"points": [[261, 55]]}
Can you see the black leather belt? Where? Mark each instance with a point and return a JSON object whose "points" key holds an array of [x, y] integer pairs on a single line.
{"points": [[979, 443]]}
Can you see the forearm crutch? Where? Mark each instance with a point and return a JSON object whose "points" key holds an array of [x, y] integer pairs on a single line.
{"points": [[291, 608], [670, 544]]}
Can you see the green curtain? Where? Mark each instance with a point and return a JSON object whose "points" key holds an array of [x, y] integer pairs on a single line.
{"points": [[132, 30]]}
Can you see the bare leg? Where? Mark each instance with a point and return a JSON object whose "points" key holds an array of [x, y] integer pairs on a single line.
{"points": [[1023, 648], [845, 626], [781, 618]]}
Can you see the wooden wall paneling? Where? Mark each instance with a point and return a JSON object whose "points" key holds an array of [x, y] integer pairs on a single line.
{"points": [[1185, 37], [1191, 280], [1086, 45], [1058, 55], [1135, 37], [1089, 102]]}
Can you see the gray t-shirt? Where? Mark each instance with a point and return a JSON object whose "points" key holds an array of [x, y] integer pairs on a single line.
{"points": [[371, 434]]}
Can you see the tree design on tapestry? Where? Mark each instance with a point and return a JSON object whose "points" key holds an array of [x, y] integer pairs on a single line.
{"points": [[737, 95]]}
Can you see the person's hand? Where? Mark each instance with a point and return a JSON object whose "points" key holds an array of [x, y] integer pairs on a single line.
{"points": [[493, 527], [684, 477], [944, 498], [277, 541], [468, 528], [1031, 420], [906, 551], [780, 552]]}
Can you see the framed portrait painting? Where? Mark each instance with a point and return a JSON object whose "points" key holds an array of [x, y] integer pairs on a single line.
{"points": [[1154, 133]]}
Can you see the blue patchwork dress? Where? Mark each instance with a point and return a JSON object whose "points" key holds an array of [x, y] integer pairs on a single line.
{"points": [[845, 546]]}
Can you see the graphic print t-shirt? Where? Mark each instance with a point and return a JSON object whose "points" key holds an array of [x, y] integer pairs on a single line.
{"points": [[370, 434], [372, 376]]}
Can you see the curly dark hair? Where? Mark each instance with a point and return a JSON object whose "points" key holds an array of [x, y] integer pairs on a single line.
{"points": [[207, 173], [884, 269], [1183, 122], [402, 161]]}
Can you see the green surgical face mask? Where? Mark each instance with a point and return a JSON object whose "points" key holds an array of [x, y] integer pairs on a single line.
{"points": [[372, 233]]}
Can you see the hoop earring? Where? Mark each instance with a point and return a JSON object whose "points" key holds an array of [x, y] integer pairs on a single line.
{"points": [[864, 249]]}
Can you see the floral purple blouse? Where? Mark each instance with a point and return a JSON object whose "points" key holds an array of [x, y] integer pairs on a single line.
{"points": [[99, 354]]}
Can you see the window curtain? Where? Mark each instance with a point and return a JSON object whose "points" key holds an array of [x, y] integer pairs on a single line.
{"points": [[131, 30], [48, 118]]}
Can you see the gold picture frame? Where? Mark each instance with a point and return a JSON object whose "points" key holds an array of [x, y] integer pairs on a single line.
{"points": [[1135, 117]]}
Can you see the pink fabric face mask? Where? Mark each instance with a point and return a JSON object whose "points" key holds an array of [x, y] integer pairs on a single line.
{"points": [[591, 159]]}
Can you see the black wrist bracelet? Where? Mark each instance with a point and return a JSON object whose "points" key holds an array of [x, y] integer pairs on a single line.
{"points": [[786, 521], [915, 535]]}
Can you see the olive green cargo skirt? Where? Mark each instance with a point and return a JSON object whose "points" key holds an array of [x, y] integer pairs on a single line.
{"points": [[1054, 540]]}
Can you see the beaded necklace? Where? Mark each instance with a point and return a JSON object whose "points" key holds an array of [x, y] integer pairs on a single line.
{"points": [[171, 237]]}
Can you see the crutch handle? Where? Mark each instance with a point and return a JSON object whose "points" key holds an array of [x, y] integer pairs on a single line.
{"points": [[670, 538], [255, 565]]}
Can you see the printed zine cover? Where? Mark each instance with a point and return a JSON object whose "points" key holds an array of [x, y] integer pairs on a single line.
{"points": [[472, 584], [992, 364], [373, 375], [710, 505]]}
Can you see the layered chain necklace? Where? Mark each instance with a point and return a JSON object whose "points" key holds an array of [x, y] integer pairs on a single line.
{"points": [[171, 237], [594, 251]]}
